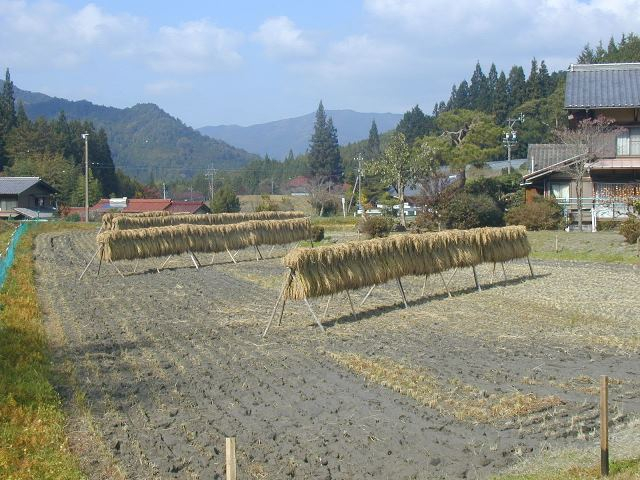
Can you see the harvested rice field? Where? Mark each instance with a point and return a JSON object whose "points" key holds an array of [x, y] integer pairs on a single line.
{"points": [[156, 369]]}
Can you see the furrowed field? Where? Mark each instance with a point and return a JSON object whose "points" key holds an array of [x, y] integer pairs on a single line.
{"points": [[156, 369]]}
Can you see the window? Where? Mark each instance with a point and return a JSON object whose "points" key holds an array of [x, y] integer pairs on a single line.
{"points": [[628, 143], [8, 204], [560, 190]]}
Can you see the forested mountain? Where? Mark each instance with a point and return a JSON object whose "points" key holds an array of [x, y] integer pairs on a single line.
{"points": [[146, 142], [278, 137]]}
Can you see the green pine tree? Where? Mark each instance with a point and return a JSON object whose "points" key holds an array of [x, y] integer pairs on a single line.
{"points": [[225, 200], [533, 82], [324, 151], [516, 86], [479, 90], [414, 124], [501, 99], [373, 143]]}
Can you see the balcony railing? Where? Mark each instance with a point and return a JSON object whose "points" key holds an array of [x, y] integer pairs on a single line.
{"points": [[602, 207]]}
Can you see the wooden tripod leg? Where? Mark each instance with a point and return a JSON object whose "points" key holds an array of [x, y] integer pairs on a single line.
{"points": [[475, 278], [117, 269], [313, 314], [213, 256], [530, 267], [326, 307], [446, 285], [353, 310], [424, 285], [232, 258], [367, 295], [504, 273], [135, 266], [89, 264], [100, 262], [275, 307], [493, 273], [164, 263], [271, 251], [259, 254], [404, 298], [452, 275], [195, 261]]}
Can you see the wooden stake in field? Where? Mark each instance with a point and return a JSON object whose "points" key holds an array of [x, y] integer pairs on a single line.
{"points": [[231, 458], [604, 425]]}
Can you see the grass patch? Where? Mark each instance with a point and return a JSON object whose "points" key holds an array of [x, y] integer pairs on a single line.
{"points": [[618, 469], [607, 247], [464, 402], [32, 438], [336, 223]]}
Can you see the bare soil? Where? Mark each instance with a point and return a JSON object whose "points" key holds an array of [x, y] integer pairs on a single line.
{"points": [[166, 365]]}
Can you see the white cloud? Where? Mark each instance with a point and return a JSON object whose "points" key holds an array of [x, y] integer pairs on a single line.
{"points": [[280, 37], [194, 47], [50, 34], [165, 87]]}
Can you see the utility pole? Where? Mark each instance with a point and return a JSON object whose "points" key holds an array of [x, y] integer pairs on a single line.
{"points": [[360, 183], [164, 191], [211, 173], [85, 136], [511, 137]]}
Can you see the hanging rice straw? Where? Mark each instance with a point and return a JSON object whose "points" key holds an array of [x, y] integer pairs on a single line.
{"points": [[175, 240], [331, 269], [128, 223]]}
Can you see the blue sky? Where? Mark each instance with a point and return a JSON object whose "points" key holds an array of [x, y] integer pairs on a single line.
{"points": [[244, 62]]}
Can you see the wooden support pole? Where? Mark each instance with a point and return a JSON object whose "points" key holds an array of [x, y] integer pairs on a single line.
{"points": [[556, 243], [89, 264], [99, 263], [213, 256], [326, 307], [504, 273], [404, 298], [604, 426], [231, 458], [195, 260], [530, 267], [116, 267], [452, 275], [493, 273], [367, 295], [271, 250], [135, 266], [164, 263], [313, 314], [424, 285], [446, 285], [475, 278], [259, 254], [232, 257], [353, 310], [275, 307]]}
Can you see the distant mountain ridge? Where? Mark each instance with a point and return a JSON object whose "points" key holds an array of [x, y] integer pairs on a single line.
{"points": [[277, 137], [145, 141]]}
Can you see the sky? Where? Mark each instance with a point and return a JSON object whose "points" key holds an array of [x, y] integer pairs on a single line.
{"points": [[213, 62]]}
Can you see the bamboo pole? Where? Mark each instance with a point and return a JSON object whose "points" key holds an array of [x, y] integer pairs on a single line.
{"points": [[367, 295], [313, 314], [89, 264], [404, 297], [446, 285], [353, 310], [530, 267], [475, 278]]}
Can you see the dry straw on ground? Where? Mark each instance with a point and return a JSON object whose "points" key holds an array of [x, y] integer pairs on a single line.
{"points": [[129, 223], [332, 269], [175, 240]]}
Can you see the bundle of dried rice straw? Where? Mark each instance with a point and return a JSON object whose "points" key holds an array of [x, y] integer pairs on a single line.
{"points": [[331, 269], [175, 240], [128, 223], [108, 218]]}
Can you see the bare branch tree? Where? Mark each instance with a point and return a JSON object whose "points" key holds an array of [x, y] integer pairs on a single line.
{"points": [[593, 139]]}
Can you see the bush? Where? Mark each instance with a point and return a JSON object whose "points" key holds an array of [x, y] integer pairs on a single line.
{"points": [[225, 200], [630, 229], [267, 205], [73, 217], [608, 225], [375, 226], [472, 211], [317, 233], [541, 214], [398, 227], [425, 221]]}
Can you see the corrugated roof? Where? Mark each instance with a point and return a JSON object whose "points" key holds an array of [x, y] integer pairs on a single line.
{"points": [[186, 207], [17, 185], [609, 85], [542, 155]]}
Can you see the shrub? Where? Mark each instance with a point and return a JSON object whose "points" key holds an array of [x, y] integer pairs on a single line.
{"points": [[375, 226], [608, 225], [267, 205], [426, 221], [317, 233], [398, 227], [73, 217], [630, 229], [541, 214], [225, 200], [471, 211]]}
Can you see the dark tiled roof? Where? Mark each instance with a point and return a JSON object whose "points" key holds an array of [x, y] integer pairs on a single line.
{"points": [[17, 185], [542, 155], [609, 85], [177, 206]]}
